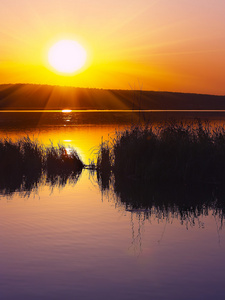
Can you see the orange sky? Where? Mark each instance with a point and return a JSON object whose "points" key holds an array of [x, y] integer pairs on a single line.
{"points": [[175, 45]]}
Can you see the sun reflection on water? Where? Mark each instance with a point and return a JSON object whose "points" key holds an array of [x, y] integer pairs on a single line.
{"points": [[66, 110]]}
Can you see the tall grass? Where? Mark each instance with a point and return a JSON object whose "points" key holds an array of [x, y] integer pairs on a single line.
{"points": [[176, 169], [104, 165], [23, 163], [174, 152]]}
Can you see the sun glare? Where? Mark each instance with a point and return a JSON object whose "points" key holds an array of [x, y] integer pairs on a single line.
{"points": [[67, 56], [66, 110]]}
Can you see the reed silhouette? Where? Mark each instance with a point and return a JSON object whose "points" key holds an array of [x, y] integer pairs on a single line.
{"points": [[176, 169], [25, 163], [172, 153]]}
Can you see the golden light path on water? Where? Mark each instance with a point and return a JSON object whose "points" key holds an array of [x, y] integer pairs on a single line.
{"points": [[84, 130], [84, 139]]}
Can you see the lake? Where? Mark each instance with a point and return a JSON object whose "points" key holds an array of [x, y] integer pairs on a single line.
{"points": [[77, 240]]}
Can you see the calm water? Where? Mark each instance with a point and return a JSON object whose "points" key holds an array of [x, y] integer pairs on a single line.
{"points": [[75, 241]]}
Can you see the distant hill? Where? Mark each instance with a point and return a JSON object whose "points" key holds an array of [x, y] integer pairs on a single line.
{"points": [[32, 96]]}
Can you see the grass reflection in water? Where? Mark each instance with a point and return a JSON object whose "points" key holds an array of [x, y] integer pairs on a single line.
{"points": [[173, 171]]}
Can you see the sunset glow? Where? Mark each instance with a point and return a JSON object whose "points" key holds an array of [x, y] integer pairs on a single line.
{"points": [[160, 45], [112, 149]]}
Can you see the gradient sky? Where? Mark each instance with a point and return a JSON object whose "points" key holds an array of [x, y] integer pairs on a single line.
{"points": [[176, 45]]}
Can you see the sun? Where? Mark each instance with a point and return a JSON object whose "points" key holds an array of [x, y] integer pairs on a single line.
{"points": [[67, 56]]}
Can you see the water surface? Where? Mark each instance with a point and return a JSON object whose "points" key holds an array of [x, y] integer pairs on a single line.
{"points": [[85, 130], [77, 241]]}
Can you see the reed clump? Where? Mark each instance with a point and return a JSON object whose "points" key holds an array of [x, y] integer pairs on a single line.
{"points": [[58, 161], [24, 162], [176, 169], [172, 153]]}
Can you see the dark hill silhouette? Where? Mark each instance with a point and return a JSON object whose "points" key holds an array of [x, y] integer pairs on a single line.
{"points": [[32, 96]]}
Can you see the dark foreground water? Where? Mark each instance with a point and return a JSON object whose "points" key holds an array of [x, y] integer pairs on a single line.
{"points": [[74, 240]]}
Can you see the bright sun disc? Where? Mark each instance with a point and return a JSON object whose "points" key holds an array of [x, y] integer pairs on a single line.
{"points": [[67, 56]]}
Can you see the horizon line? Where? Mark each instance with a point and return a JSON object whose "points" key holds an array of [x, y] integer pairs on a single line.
{"points": [[113, 89]]}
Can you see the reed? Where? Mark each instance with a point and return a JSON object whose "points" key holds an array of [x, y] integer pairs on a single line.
{"points": [[59, 161], [173, 170], [104, 165], [24, 162], [172, 153]]}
